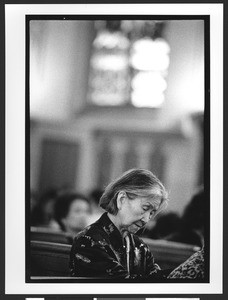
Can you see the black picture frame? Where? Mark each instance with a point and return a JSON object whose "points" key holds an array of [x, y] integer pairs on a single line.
{"points": [[2, 189]]}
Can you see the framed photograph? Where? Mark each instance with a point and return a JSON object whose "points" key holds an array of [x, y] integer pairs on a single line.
{"points": [[94, 94]]}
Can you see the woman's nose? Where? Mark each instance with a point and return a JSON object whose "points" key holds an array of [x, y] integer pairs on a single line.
{"points": [[146, 217]]}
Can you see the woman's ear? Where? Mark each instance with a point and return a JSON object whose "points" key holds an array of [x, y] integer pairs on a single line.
{"points": [[120, 199]]}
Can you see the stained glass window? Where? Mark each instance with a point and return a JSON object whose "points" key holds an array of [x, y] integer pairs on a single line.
{"points": [[129, 63], [109, 74]]}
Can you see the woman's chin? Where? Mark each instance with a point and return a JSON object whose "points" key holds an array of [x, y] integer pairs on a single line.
{"points": [[133, 228]]}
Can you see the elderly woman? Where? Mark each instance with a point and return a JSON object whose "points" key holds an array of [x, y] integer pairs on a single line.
{"points": [[109, 247]]}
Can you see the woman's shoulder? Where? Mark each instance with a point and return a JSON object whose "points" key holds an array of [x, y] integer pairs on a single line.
{"points": [[91, 232]]}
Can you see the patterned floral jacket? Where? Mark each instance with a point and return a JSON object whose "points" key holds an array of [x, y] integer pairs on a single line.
{"points": [[99, 251], [192, 268]]}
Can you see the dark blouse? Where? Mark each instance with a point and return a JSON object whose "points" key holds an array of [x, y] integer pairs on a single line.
{"points": [[100, 251]]}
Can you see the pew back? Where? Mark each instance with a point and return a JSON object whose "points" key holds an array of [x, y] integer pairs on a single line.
{"points": [[170, 254], [48, 235], [49, 259], [52, 259]]}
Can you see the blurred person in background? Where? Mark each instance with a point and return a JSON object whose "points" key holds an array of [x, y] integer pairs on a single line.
{"points": [[192, 268], [72, 211], [109, 247], [165, 225], [191, 229], [42, 214], [97, 211]]}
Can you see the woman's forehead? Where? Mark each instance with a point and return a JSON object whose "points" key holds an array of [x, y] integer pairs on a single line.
{"points": [[154, 201]]}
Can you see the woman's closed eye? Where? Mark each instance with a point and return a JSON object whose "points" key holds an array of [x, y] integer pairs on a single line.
{"points": [[149, 208], [153, 212], [146, 208]]}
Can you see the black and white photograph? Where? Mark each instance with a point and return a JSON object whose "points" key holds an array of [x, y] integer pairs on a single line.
{"points": [[119, 147]]}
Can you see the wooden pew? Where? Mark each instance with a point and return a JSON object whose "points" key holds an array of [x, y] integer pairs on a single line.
{"points": [[168, 254], [52, 259], [49, 235], [50, 263], [49, 259]]}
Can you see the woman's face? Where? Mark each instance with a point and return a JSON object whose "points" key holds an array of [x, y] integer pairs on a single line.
{"points": [[78, 213], [135, 213]]}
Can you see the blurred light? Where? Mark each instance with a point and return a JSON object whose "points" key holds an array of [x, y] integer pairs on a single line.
{"points": [[149, 81], [148, 45], [144, 99], [148, 54], [106, 39], [193, 97], [113, 62], [37, 82], [110, 100], [116, 53]]}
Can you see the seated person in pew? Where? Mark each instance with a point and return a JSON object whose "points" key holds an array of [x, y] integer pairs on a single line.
{"points": [[109, 247], [72, 211], [192, 268], [97, 211], [165, 225], [191, 229], [42, 210]]}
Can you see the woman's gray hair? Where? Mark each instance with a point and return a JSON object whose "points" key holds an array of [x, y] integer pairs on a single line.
{"points": [[136, 183]]}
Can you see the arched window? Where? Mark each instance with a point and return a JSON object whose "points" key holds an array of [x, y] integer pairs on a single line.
{"points": [[129, 64]]}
